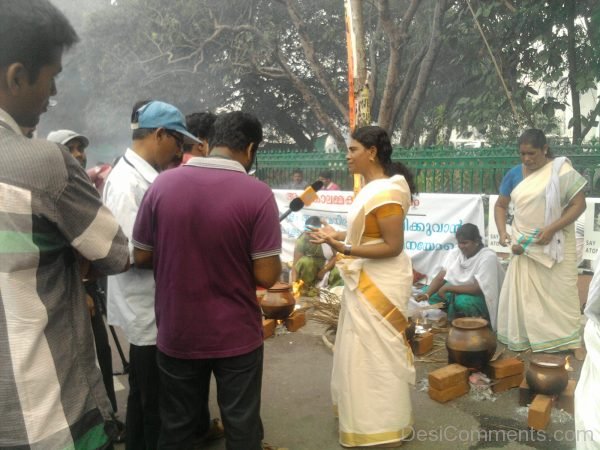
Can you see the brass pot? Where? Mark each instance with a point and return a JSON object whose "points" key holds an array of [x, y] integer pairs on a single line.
{"points": [[471, 342], [547, 374], [279, 302]]}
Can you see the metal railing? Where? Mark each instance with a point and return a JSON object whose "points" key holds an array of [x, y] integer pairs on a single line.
{"points": [[449, 170]]}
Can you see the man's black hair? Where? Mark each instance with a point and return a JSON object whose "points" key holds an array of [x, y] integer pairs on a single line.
{"points": [[31, 33], [139, 133], [327, 174], [236, 130], [200, 124], [313, 221]]}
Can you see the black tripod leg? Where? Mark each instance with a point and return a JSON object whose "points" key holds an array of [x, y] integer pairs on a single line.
{"points": [[119, 349]]}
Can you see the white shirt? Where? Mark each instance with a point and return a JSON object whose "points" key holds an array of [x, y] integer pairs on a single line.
{"points": [[130, 295]]}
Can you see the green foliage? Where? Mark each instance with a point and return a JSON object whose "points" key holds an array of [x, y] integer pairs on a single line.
{"points": [[226, 54]]}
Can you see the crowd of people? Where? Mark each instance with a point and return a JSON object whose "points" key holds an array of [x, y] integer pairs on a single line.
{"points": [[171, 242]]}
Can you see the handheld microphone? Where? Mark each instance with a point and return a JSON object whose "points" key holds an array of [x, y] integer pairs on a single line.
{"points": [[306, 198]]}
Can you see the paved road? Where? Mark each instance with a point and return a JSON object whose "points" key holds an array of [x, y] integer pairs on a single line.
{"points": [[297, 410]]}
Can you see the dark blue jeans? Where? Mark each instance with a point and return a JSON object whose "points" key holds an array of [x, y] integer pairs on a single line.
{"points": [[184, 392], [143, 418]]}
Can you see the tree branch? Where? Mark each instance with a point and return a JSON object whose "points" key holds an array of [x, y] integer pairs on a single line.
{"points": [[310, 54], [312, 101]]}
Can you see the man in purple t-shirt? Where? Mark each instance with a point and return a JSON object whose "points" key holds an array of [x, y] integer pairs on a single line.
{"points": [[211, 233]]}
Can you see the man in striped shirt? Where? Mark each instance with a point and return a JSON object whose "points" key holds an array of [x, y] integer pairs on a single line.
{"points": [[53, 231]]}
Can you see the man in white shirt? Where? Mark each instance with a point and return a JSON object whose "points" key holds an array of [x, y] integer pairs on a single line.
{"points": [[159, 133]]}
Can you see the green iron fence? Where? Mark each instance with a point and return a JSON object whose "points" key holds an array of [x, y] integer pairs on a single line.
{"points": [[436, 170]]}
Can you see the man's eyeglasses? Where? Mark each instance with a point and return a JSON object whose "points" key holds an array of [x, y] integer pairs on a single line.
{"points": [[178, 138]]}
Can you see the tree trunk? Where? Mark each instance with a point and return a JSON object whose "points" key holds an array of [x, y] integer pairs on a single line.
{"points": [[361, 56], [572, 61], [396, 36], [418, 95], [363, 113], [591, 122], [409, 77]]}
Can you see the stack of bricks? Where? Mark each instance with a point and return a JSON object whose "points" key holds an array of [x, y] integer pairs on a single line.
{"points": [[448, 383], [295, 321], [268, 328], [422, 343], [538, 415], [505, 374], [564, 401]]}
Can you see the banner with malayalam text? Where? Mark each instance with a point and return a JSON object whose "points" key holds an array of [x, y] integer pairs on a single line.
{"points": [[429, 227], [591, 231]]}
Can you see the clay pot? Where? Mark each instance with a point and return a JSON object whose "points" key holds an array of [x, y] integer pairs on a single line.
{"points": [[547, 374], [279, 301], [471, 342]]}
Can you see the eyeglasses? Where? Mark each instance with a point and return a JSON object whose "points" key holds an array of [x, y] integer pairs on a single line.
{"points": [[178, 139]]}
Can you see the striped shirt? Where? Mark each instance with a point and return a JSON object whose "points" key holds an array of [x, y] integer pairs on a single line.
{"points": [[51, 390]]}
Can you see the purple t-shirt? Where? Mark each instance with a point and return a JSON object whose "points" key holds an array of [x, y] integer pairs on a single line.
{"points": [[205, 222]]}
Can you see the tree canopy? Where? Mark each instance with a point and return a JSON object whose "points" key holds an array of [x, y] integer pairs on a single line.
{"points": [[433, 65]]}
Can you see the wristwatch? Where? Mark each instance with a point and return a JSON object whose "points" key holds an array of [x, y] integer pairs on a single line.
{"points": [[347, 249]]}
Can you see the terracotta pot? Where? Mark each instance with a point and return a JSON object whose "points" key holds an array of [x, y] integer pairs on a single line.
{"points": [[279, 301], [471, 342], [547, 374]]}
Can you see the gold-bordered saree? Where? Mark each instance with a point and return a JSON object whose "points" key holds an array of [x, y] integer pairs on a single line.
{"points": [[539, 302], [372, 364]]}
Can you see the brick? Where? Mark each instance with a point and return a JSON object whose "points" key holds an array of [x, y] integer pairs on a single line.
{"points": [[448, 376], [525, 394], [422, 343], [566, 399], [504, 368], [539, 412], [295, 321], [444, 395], [268, 328], [504, 384]]}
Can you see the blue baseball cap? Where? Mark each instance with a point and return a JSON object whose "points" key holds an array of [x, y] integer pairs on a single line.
{"points": [[158, 114]]}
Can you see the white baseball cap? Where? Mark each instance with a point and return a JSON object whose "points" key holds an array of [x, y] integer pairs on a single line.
{"points": [[64, 136]]}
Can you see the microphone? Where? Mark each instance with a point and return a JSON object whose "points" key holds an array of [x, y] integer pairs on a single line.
{"points": [[306, 198]]}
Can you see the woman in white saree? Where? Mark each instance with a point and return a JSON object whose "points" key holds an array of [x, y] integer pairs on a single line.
{"points": [[539, 304], [587, 394], [372, 364]]}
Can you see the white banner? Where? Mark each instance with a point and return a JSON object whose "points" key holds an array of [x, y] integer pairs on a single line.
{"points": [[429, 227], [493, 240], [591, 231]]}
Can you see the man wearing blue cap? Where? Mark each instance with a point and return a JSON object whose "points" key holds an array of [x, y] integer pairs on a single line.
{"points": [[159, 133]]}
